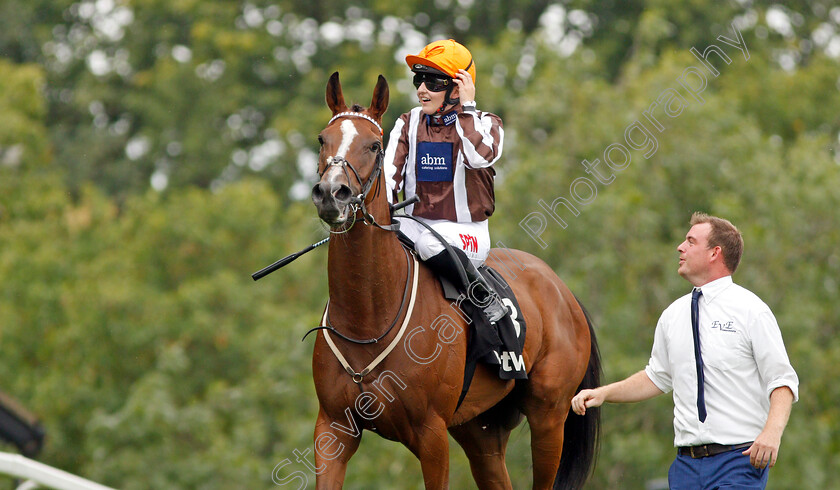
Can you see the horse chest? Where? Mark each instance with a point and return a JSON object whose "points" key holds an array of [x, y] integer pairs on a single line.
{"points": [[380, 403]]}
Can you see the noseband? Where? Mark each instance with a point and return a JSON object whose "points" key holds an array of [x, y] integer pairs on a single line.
{"points": [[358, 203]]}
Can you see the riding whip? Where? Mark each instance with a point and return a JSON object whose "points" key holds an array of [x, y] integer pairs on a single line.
{"points": [[290, 258]]}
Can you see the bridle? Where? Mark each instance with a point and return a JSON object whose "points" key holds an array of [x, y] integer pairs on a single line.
{"points": [[359, 202], [407, 305]]}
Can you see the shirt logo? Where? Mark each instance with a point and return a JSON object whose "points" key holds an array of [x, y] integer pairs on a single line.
{"points": [[434, 162], [449, 118], [727, 326], [469, 243]]}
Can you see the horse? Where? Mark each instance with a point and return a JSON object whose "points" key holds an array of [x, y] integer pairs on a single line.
{"points": [[410, 388]]}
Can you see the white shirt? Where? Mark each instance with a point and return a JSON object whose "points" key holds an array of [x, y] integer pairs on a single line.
{"points": [[744, 361]]}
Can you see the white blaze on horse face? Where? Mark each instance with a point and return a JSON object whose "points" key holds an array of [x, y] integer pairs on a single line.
{"points": [[348, 134], [335, 174]]}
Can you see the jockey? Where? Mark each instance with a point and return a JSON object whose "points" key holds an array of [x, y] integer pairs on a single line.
{"points": [[443, 152]]}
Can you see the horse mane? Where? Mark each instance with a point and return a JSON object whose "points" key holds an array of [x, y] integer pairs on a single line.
{"points": [[357, 108]]}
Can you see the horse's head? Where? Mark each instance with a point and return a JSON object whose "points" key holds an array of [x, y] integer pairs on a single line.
{"points": [[350, 161]]}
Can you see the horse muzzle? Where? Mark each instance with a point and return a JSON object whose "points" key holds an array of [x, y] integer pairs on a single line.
{"points": [[333, 202]]}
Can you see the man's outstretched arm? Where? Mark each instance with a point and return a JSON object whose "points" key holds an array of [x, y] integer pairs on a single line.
{"points": [[635, 388]]}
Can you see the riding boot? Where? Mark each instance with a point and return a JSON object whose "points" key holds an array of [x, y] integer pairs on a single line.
{"points": [[443, 264]]}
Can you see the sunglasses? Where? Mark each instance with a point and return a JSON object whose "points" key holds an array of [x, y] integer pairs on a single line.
{"points": [[434, 83]]}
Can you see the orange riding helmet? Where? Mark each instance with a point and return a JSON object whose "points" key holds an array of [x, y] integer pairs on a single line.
{"points": [[447, 56]]}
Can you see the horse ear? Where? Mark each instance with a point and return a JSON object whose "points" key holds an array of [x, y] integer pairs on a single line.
{"points": [[335, 99], [379, 103]]}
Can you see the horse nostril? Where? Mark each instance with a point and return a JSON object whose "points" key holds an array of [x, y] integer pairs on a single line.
{"points": [[343, 194], [318, 193]]}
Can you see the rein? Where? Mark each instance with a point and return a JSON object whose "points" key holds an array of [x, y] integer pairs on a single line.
{"points": [[327, 326]]}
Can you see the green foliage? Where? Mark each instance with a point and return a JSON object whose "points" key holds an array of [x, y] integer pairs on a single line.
{"points": [[128, 321]]}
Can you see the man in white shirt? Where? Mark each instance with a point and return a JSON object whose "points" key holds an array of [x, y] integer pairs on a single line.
{"points": [[728, 427]]}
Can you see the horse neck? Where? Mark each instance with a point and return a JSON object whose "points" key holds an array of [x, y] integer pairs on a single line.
{"points": [[367, 273]]}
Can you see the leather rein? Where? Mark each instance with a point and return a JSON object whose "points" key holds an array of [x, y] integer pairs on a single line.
{"points": [[358, 376]]}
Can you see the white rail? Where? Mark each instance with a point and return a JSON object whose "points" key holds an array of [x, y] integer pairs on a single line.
{"points": [[20, 467]]}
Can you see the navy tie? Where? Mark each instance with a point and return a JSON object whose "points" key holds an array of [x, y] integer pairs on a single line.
{"points": [[695, 330]]}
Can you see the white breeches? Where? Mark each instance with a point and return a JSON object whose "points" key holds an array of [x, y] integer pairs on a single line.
{"points": [[472, 238]]}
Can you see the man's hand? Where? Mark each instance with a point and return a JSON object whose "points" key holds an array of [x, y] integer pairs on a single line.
{"points": [[764, 450], [466, 85], [636, 388], [586, 399]]}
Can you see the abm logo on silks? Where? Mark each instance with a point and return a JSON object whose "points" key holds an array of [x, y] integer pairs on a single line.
{"points": [[434, 162]]}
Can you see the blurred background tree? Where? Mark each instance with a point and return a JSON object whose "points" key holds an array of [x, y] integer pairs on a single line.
{"points": [[153, 154]]}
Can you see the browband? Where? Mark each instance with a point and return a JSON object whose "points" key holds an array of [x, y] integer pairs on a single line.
{"points": [[357, 114]]}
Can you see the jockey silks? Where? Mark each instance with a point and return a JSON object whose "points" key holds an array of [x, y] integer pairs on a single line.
{"points": [[449, 165]]}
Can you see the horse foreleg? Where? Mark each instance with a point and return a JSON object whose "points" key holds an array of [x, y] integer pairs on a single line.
{"points": [[335, 443], [431, 446], [485, 447]]}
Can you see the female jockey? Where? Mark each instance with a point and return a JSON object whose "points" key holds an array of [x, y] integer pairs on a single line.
{"points": [[443, 152]]}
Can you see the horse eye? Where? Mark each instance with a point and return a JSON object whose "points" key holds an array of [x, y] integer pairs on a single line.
{"points": [[320, 140], [376, 147]]}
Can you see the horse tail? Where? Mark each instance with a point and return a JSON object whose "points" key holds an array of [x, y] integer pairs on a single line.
{"points": [[581, 439]]}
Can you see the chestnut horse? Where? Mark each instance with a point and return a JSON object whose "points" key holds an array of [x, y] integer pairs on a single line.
{"points": [[410, 389]]}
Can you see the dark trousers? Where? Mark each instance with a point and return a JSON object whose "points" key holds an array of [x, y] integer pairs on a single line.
{"points": [[730, 470]]}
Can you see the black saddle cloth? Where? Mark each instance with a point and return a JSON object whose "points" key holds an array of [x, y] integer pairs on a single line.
{"points": [[499, 344]]}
